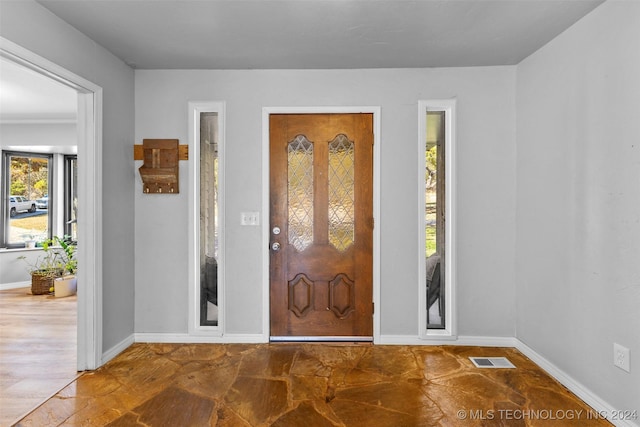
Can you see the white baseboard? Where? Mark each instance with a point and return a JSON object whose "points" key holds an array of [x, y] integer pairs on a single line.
{"points": [[590, 398], [117, 349], [15, 285], [192, 339], [574, 386], [460, 340]]}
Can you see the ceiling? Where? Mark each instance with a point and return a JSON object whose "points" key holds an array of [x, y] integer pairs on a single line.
{"points": [[292, 34], [320, 34]]}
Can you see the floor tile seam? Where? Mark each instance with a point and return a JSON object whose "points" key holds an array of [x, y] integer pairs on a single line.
{"points": [[290, 399], [314, 403], [230, 409], [430, 398], [368, 405], [408, 411], [71, 415], [495, 384], [272, 420], [546, 375], [501, 384], [452, 374], [366, 385]]}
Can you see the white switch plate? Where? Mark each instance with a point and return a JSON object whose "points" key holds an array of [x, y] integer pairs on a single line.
{"points": [[250, 218], [621, 357]]}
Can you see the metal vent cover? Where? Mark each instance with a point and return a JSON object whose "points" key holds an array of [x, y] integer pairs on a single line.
{"points": [[492, 362]]}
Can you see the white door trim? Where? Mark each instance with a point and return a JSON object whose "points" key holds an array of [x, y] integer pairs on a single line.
{"points": [[89, 198], [266, 112]]}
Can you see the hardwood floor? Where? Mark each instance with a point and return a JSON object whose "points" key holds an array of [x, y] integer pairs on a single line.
{"points": [[312, 385], [37, 350]]}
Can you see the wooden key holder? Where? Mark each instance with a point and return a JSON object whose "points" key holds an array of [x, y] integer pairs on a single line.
{"points": [[160, 171]]}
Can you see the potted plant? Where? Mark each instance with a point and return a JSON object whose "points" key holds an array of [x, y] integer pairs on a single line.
{"points": [[29, 240], [66, 284], [57, 261]]}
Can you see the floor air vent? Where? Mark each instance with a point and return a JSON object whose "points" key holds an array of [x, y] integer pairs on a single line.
{"points": [[491, 362]]}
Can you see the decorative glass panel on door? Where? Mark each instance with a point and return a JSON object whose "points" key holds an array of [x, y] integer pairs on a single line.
{"points": [[341, 192], [300, 197]]}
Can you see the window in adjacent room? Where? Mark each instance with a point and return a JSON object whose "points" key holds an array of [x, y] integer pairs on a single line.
{"points": [[26, 179], [71, 197]]}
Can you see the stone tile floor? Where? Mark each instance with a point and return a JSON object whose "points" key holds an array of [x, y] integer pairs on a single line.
{"points": [[312, 385]]}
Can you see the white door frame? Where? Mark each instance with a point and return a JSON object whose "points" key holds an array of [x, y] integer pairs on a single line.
{"points": [[89, 198], [266, 112]]}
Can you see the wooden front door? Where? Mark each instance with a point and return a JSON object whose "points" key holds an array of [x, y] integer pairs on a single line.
{"points": [[321, 226]]}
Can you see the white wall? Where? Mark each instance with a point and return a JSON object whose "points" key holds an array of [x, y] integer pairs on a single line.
{"points": [[15, 271], [58, 135], [33, 27], [486, 188], [578, 201]]}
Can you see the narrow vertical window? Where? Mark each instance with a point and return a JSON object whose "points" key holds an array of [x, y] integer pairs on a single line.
{"points": [[436, 160], [26, 180], [71, 197], [206, 218], [434, 218], [209, 218]]}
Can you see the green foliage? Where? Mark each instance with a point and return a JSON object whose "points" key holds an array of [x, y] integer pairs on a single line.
{"points": [[18, 188], [69, 258], [431, 158], [41, 185], [430, 241], [59, 257], [29, 176], [431, 162]]}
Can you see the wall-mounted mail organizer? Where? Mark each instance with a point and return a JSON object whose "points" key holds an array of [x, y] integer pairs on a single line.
{"points": [[160, 171]]}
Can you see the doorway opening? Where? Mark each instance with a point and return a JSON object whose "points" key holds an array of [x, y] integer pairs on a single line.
{"points": [[89, 197]]}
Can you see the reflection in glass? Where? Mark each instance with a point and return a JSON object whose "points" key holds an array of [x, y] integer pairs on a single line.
{"points": [[434, 219], [341, 192], [209, 219], [28, 207], [300, 193]]}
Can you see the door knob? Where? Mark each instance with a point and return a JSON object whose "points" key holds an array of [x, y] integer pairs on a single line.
{"points": [[275, 246]]}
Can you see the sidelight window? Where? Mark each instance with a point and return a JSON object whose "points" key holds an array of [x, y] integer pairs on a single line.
{"points": [[207, 227], [209, 213], [436, 152]]}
